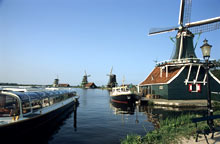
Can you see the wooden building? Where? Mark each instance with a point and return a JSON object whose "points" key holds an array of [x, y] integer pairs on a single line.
{"points": [[63, 85], [90, 85], [179, 81]]}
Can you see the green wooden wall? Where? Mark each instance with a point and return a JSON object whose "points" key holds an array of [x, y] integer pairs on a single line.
{"points": [[177, 90]]}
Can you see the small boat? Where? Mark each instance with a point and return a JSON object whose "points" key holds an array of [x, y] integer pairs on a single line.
{"points": [[122, 94], [22, 110]]}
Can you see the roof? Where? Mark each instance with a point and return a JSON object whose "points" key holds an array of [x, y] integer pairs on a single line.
{"points": [[155, 77], [63, 85], [38, 95], [90, 84]]}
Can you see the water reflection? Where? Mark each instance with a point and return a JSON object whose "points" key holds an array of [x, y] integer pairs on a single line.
{"points": [[75, 116], [157, 113], [122, 108]]}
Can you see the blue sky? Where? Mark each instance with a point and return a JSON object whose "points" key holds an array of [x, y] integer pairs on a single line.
{"points": [[40, 39]]}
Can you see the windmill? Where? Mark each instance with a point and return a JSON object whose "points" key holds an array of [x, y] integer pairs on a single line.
{"points": [[184, 38], [183, 77], [56, 82], [85, 79], [112, 79]]}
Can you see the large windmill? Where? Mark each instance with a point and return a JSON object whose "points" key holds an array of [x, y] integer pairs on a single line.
{"points": [[183, 77], [85, 79], [112, 80], [184, 38]]}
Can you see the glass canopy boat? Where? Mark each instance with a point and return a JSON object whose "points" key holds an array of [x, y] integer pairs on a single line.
{"points": [[23, 111]]}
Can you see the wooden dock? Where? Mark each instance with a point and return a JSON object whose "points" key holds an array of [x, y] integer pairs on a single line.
{"points": [[174, 103]]}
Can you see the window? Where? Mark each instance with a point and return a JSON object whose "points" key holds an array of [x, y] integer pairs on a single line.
{"points": [[8, 106], [26, 108], [194, 87]]}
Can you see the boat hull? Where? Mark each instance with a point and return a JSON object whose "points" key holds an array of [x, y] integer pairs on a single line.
{"points": [[125, 99], [39, 122]]}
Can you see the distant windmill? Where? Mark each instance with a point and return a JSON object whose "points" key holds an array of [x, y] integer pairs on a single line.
{"points": [[184, 38], [56, 82], [85, 79], [112, 79]]}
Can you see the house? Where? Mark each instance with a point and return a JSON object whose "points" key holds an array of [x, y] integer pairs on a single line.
{"points": [[179, 81], [90, 85], [63, 85]]}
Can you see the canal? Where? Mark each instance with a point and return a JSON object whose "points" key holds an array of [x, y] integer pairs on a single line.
{"points": [[100, 121], [96, 121]]}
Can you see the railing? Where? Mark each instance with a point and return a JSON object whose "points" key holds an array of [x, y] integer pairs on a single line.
{"points": [[183, 61]]}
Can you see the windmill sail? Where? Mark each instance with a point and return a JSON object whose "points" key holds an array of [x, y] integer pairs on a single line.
{"points": [[154, 31], [181, 13], [204, 25]]}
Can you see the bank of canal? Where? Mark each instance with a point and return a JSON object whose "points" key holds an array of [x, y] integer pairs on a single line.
{"points": [[97, 120]]}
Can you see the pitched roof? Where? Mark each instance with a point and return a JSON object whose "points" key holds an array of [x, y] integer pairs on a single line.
{"points": [[63, 85], [155, 77], [90, 84]]}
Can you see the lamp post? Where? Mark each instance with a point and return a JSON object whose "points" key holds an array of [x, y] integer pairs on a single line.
{"points": [[206, 48]]}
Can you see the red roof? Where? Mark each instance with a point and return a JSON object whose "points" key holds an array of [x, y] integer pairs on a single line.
{"points": [[63, 85], [88, 85], [155, 78]]}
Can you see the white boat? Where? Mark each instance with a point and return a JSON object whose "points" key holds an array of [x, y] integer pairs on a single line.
{"points": [[21, 110], [122, 94]]}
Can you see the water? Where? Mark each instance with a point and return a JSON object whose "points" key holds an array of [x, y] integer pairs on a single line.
{"points": [[97, 121]]}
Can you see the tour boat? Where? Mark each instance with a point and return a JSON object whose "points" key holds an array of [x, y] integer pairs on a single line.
{"points": [[22, 110], [122, 94]]}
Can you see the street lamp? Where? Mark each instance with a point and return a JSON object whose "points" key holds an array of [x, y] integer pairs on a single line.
{"points": [[206, 48]]}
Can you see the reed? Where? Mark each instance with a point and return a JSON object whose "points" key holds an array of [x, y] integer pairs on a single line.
{"points": [[171, 130]]}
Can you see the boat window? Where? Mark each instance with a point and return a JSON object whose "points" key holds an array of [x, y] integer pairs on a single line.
{"points": [[36, 104], [72, 94], [51, 101], [26, 107], [58, 99], [46, 102], [8, 106]]}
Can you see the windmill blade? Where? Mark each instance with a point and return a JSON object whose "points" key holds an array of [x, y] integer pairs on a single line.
{"points": [[85, 73], [88, 75], [187, 11], [154, 31], [181, 13], [203, 22], [204, 25], [111, 70]]}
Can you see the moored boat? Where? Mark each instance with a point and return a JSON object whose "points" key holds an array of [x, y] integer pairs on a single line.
{"points": [[122, 94], [22, 112]]}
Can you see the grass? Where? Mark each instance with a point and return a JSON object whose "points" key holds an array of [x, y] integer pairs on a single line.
{"points": [[171, 130]]}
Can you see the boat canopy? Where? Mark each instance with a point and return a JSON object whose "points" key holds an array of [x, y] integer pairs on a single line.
{"points": [[39, 95]]}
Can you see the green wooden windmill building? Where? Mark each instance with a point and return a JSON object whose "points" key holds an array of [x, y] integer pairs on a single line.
{"points": [[112, 80], [85, 80], [183, 77]]}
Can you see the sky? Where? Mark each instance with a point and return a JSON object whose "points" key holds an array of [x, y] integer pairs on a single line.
{"points": [[43, 39]]}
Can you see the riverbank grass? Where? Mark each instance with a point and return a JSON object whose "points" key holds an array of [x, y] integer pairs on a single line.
{"points": [[171, 130]]}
